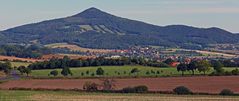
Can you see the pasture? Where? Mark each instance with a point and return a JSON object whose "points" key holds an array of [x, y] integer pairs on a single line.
{"points": [[119, 71]]}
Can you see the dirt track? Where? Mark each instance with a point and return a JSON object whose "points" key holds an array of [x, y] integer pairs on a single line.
{"points": [[196, 84]]}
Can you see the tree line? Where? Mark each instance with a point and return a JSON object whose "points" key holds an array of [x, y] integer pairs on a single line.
{"points": [[32, 51], [205, 66], [67, 62], [5, 67]]}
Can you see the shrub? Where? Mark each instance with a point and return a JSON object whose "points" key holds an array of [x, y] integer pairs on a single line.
{"points": [[137, 89], [141, 89], [82, 74], [152, 71], [66, 71], [54, 73], [99, 71], [228, 73], [214, 73], [235, 72], [226, 92], [134, 70], [128, 90], [87, 72], [90, 86], [108, 84], [182, 90]]}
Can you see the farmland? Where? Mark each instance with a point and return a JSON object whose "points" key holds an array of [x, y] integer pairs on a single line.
{"points": [[60, 56], [202, 84], [80, 96], [12, 58]]}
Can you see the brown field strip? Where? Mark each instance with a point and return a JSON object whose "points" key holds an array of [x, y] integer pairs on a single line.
{"points": [[196, 84], [71, 56], [11, 58]]}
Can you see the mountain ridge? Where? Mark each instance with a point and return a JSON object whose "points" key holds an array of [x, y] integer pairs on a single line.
{"points": [[94, 28]]}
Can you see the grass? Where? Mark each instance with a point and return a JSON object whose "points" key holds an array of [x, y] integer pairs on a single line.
{"points": [[17, 64], [16, 95], [119, 71]]}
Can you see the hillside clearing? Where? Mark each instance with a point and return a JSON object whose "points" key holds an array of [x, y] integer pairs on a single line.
{"points": [[77, 48]]}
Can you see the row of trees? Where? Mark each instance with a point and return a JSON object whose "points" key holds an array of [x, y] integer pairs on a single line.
{"points": [[24, 70], [32, 51], [67, 62], [224, 62], [205, 66], [201, 66], [66, 71]]}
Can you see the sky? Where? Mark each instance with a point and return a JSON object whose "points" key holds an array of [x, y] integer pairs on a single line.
{"points": [[197, 13]]}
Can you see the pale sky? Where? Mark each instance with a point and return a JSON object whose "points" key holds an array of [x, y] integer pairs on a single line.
{"points": [[198, 13]]}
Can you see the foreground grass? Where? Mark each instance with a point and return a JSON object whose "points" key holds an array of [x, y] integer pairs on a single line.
{"points": [[6, 95], [119, 71]]}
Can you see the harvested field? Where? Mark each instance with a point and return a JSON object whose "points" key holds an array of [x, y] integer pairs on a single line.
{"points": [[12, 58], [77, 48], [197, 84], [60, 56], [216, 53]]}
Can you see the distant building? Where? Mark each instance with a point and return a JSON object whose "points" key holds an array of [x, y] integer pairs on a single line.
{"points": [[174, 64], [115, 57]]}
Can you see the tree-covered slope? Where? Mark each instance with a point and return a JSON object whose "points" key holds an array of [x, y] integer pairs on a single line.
{"points": [[94, 28]]}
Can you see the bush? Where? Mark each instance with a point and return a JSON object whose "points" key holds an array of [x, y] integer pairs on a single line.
{"points": [[214, 73], [128, 90], [235, 72], [182, 90], [54, 73], [99, 71], [226, 92], [227, 73], [90, 86], [137, 89], [141, 89]]}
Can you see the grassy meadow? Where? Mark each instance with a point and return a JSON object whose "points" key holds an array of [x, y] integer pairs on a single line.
{"points": [[119, 71]]}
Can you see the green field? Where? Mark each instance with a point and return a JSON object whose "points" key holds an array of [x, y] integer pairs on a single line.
{"points": [[6, 95], [119, 71], [17, 64]]}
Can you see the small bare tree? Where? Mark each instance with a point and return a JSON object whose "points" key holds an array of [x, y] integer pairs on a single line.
{"points": [[108, 84]]}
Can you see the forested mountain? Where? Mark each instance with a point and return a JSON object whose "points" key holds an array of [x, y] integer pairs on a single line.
{"points": [[94, 28]]}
